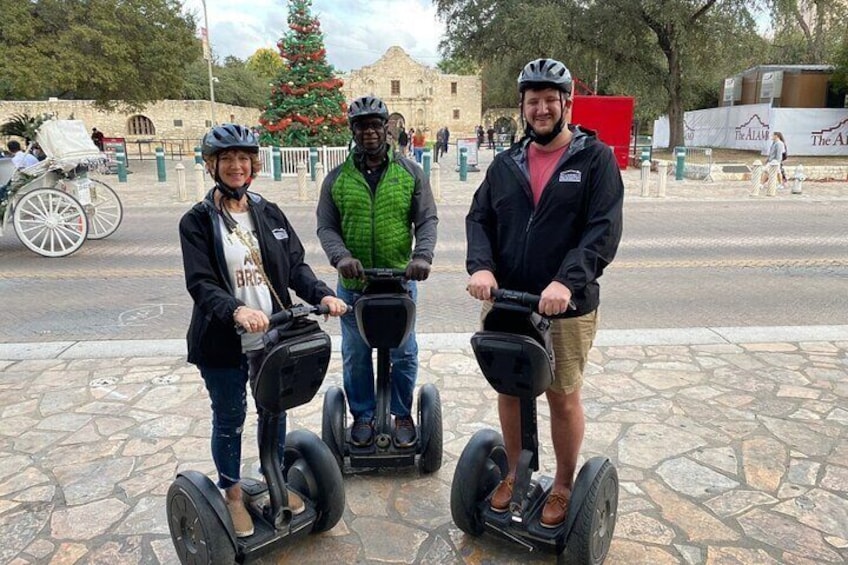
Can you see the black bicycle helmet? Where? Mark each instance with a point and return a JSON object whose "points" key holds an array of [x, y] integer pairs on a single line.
{"points": [[367, 106], [545, 73], [229, 136]]}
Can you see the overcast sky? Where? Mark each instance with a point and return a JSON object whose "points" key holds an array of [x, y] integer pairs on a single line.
{"points": [[356, 32]]}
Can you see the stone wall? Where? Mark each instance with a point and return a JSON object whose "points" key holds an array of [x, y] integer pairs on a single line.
{"points": [[423, 96], [172, 121]]}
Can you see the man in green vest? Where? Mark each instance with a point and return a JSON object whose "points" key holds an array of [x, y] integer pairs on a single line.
{"points": [[376, 210]]}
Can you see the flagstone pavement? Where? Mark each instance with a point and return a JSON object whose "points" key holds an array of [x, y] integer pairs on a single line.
{"points": [[730, 445]]}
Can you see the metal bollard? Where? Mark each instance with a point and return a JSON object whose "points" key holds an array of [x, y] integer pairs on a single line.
{"points": [[313, 158], [199, 182], [773, 173], [680, 154], [160, 164], [800, 177], [756, 178], [436, 181], [277, 163], [662, 173], [463, 164], [301, 180], [319, 175], [121, 158], [646, 177], [198, 155], [181, 184], [426, 161]]}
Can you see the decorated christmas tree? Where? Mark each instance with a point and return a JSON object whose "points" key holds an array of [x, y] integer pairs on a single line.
{"points": [[306, 107]]}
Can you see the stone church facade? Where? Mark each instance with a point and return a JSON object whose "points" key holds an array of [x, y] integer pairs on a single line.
{"points": [[419, 96]]}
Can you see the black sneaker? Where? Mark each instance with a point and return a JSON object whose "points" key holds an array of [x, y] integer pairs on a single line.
{"points": [[362, 433], [404, 431]]}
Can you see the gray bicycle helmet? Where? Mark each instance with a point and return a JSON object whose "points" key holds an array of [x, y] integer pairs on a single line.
{"points": [[228, 136], [367, 106], [545, 73]]}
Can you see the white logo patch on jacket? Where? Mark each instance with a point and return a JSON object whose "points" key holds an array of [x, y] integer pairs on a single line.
{"points": [[280, 234], [570, 175]]}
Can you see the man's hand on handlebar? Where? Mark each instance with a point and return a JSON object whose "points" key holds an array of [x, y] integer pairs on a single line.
{"points": [[337, 306], [480, 285], [418, 270], [555, 299], [350, 268]]}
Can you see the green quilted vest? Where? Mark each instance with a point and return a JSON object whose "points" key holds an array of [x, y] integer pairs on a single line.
{"points": [[376, 227]]}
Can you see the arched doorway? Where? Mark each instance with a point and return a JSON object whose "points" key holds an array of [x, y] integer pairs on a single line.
{"points": [[505, 125], [396, 121], [140, 125]]}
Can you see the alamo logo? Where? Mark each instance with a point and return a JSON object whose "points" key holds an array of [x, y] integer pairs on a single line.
{"points": [[688, 132], [755, 129], [570, 175], [832, 136]]}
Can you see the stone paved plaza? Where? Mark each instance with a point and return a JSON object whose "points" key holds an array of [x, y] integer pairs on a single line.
{"points": [[731, 448]]}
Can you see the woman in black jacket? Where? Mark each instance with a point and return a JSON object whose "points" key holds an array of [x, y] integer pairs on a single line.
{"points": [[240, 257]]}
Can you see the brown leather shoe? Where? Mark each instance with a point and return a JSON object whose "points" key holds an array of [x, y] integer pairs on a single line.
{"points": [[502, 495], [555, 509]]}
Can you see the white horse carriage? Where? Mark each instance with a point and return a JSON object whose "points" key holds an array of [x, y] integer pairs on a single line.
{"points": [[55, 205]]}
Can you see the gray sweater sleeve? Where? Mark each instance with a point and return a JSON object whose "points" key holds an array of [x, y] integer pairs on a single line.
{"points": [[329, 222], [423, 213]]}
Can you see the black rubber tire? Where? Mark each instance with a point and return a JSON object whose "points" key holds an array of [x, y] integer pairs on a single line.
{"points": [[591, 536], [310, 468], [481, 467], [333, 423], [191, 519], [430, 428]]}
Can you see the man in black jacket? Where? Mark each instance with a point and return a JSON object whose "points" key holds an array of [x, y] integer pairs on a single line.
{"points": [[547, 220]]}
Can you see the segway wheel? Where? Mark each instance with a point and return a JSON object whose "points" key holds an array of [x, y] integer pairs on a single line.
{"points": [[480, 469], [333, 423], [311, 469], [198, 535], [430, 427], [591, 537]]}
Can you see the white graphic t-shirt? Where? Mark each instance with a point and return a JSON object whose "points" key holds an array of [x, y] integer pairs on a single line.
{"points": [[248, 282]]}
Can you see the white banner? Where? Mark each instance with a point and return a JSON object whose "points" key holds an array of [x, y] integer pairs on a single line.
{"points": [[812, 131], [808, 131]]}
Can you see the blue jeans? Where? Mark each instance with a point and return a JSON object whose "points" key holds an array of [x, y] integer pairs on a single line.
{"points": [[419, 154], [358, 367], [228, 392]]}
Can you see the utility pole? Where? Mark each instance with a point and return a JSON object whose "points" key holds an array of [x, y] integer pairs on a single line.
{"points": [[207, 54]]}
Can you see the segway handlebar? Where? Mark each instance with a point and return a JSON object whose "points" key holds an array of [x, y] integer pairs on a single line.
{"points": [[516, 297], [384, 273], [523, 298], [296, 311]]}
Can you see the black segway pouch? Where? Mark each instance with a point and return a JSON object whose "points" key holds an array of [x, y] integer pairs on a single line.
{"points": [[296, 357], [385, 314], [514, 350]]}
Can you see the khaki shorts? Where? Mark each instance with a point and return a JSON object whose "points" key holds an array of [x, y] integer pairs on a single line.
{"points": [[572, 339]]}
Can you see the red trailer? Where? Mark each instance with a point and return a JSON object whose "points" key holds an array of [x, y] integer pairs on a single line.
{"points": [[611, 117]]}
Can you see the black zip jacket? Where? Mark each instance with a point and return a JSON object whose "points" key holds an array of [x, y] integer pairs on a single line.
{"points": [[570, 237], [212, 339]]}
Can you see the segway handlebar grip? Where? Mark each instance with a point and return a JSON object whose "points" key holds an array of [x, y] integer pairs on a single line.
{"points": [[516, 297], [384, 273], [296, 311]]}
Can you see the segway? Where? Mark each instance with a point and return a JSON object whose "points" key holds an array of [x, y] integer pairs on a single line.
{"points": [[385, 315], [516, 360], [293, 368]]}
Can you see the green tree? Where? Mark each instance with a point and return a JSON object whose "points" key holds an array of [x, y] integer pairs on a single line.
{"points": [[130, 51], [235, 83], [460, 65], [807, 31], [306, 107], [669, 55], [265, 63]]}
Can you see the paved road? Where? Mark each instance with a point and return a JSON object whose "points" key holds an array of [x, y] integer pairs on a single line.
{"points": [[681, 264]]}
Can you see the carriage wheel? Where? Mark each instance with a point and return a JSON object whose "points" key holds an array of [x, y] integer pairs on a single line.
{"points": [[50, 222], [105, 211]]}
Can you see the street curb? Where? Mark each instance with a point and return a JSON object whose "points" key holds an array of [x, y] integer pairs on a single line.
{"points": [[108, 349]]}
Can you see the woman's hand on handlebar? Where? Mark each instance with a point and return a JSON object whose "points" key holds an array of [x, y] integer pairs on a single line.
{"points": [[480, 285], [337, 306], [252, 320], [555, 299]]}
